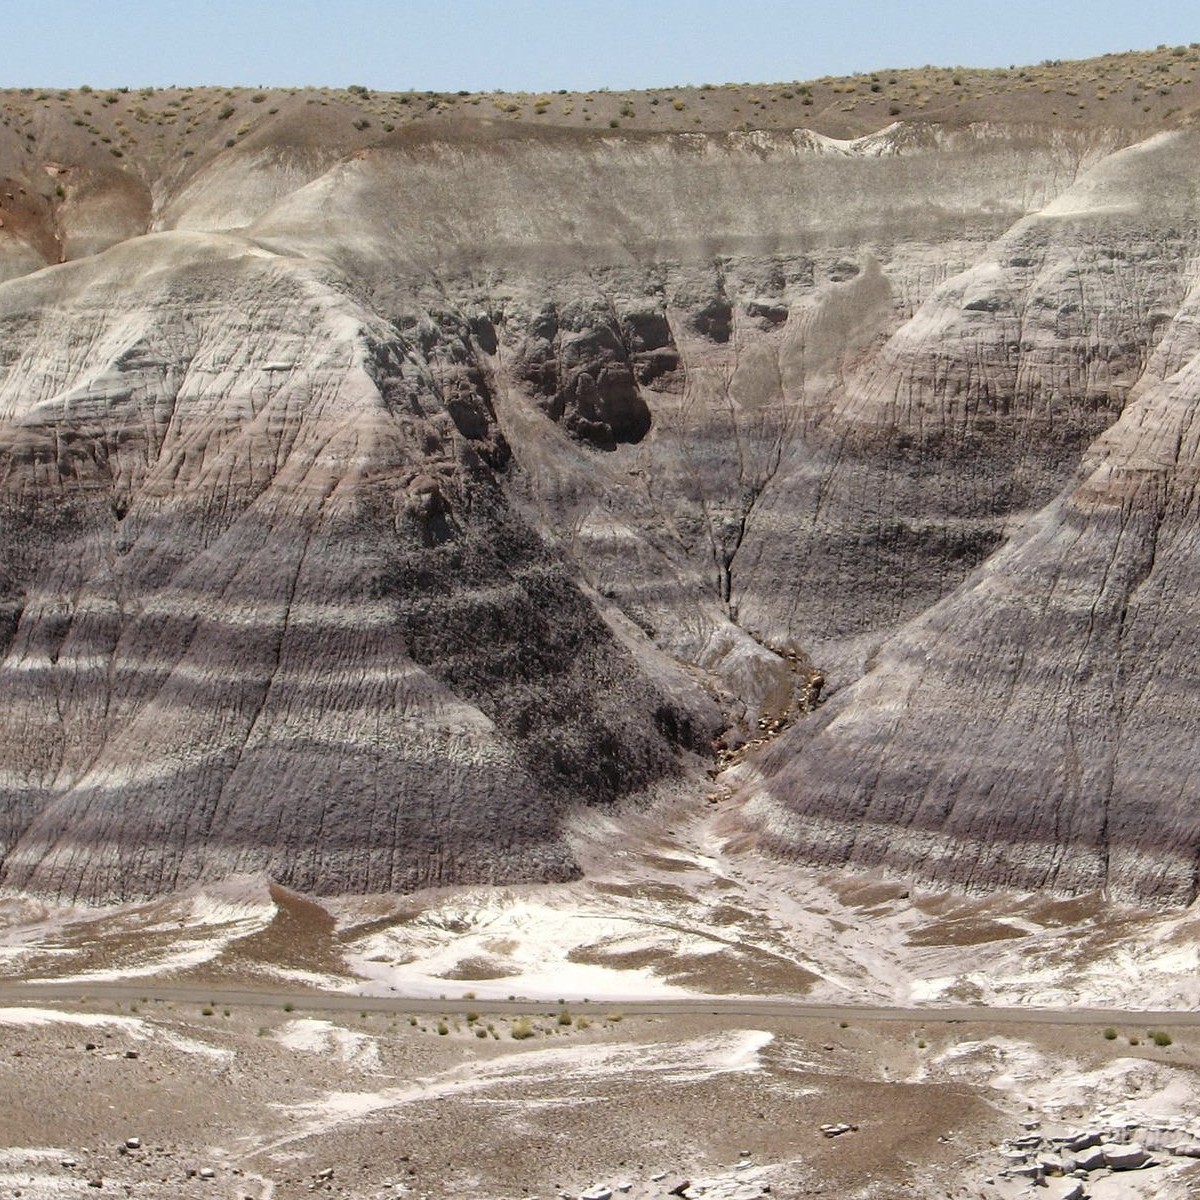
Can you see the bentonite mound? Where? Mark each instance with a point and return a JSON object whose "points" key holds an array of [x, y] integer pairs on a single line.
{"points": [[373, 496]]}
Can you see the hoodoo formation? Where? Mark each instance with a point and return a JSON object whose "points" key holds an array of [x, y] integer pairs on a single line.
{"points": [[384, 476]]}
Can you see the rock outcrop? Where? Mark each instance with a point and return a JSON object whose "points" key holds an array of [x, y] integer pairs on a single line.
{"points": [[372, 498]]}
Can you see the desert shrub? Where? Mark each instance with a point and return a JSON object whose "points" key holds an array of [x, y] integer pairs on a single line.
{"points": [[564, 1017], [1160, 1037], [522, 1028], [207, 1010], [1110, 1034], [442, 1028]]}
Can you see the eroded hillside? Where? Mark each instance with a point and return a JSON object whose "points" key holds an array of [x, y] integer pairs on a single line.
{"points": [[386, 476]]}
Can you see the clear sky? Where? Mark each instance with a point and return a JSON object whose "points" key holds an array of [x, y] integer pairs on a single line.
{"points": [[539, 45]]}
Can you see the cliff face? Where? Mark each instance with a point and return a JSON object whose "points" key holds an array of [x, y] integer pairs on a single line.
{"points": [[371, 500]]}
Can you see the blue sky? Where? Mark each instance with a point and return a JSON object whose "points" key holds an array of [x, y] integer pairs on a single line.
{"points": [[538, 45]]}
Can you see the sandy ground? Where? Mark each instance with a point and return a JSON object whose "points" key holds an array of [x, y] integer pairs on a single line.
{"points": [[670, 907], [268, 1100]]}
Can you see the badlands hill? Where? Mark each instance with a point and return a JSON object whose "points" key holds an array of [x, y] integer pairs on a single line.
{"points": [[383, 476]]}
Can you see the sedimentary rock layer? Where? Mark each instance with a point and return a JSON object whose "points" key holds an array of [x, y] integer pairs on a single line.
{"points": [[369, 502]]}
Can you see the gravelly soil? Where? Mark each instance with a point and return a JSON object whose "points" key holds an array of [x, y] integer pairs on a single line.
{"points": [[268, 1100]]}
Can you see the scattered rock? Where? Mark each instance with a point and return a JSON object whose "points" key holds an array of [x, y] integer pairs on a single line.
{"points": [[1064, 1189], [836, 1130], [1123, 1157], [1091, 1159]]}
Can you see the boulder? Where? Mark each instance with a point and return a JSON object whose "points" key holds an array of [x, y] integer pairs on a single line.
{"points": [[1125, 1156], [1064, 1189], [1090, 1159], [1055, 1164]]}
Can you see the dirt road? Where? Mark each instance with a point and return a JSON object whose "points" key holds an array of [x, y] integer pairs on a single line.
{"points": [[739, 1007]]}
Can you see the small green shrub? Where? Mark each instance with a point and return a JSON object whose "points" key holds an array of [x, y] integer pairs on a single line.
{"points": [[1110, 1034], [207, 1010], [289, 1007], [522, 1028], [1160, 1037], [564, 1017], [442, 1028]]}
